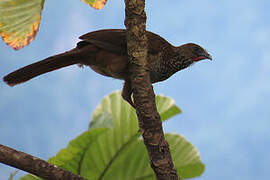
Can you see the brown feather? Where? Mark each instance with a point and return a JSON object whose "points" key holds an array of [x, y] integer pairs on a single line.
{"points": [[49, 64]]}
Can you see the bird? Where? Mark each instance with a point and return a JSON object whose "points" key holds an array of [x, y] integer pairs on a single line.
{"points": [[105, 52]]}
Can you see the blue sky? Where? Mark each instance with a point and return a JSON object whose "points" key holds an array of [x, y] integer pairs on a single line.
{"points": [[225, 102]]}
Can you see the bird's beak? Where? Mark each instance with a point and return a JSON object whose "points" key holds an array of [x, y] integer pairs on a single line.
{"points": [[208, 56], [204, 55]]}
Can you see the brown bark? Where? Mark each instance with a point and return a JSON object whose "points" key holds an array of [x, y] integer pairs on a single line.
{"points": [[34, 165], [144, 97]]}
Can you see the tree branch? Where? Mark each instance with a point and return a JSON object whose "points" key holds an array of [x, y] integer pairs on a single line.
{"points": [[34, 165], [144, 97]]}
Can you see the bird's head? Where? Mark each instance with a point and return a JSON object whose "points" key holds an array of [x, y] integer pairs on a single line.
{"points": [[194, 52]]}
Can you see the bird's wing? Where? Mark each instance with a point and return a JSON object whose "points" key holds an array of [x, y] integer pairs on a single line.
{"points": [[156, 43], [114, 40]]}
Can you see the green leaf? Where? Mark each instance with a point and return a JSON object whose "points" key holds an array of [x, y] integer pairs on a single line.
{"points": [[131, 163], [119, 113], [104, 119], [113, 109], [166, 107], [71, 157], [30, 177], [134, 161], [103, 158], [97, 4], [106, 149], [185, 156], [19, 21]]}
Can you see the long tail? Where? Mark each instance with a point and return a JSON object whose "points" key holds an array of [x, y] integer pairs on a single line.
{"points": [[49, 64]]}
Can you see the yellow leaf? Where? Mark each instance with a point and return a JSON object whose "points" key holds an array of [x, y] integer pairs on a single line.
{"points": [[97, 4], [19, 21]]}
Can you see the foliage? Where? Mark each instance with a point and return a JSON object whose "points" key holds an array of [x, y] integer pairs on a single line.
{"points": [[112, 147], [97, 4], [20, 19]]}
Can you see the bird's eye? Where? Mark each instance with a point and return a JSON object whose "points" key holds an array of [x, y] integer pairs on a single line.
{"points": [[196, 49]]}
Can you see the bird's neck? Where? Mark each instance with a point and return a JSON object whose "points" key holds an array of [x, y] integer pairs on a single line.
{"points": [[178, 63], [167, 62], [174, 62]]}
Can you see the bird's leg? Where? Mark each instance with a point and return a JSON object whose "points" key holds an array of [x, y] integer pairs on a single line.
{"points": [[126, 93]]}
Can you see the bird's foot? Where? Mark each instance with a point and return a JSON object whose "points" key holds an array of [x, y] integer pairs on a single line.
{"points": [[126, 93]]}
